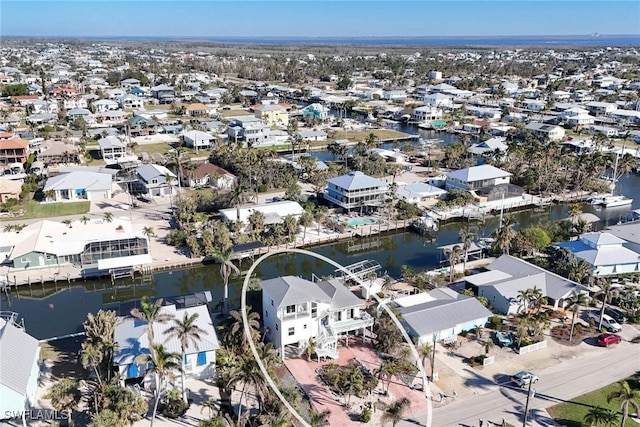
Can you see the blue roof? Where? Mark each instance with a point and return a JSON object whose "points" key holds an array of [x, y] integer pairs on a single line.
{"points": [[356, 181]]}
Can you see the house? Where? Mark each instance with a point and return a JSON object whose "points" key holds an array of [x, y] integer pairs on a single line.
{"points": [[272, 114], [78, 186], [131, 101], [13, 150], [130, 83], [163, 93], [356, 190], [153, 178], [19, 377], [274, 212], [545, 131], [249, 129], [44, 107], [198, 139], [600, 108], [296, 310], [509, 275], [490, 146], [10, 189], [197, 110], [54, 152], [420, 193], [442, 87], [426, 112], [534, 105], [576, 117], [311, 135], [476, 177], [132, 340], [90, 246], [207, 174], [629, 232], [111, 148], [104, 105], [439, 100], [605, 253], [138, 125], [440, 315], [315, 112]]}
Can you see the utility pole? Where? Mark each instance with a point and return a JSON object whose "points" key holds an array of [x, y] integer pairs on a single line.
{"points": [[526, 406], [433, 356]]}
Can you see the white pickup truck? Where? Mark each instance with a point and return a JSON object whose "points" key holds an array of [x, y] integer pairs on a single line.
{"points": [[607, 321]]}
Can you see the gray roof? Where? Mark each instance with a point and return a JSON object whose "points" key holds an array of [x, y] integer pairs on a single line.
{"points": [[111, 142], [151, 171], [356, 181], [18, 352], [445, 312], [478, 173], [131, 335], [291, 290], [341, 297], [557, 287], [629, 232], [90, 181]]}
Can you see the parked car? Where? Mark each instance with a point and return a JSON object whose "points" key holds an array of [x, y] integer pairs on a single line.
{"points": [[618, 315], [605, 340], [607, 321], [524, 378], [504, 339]]}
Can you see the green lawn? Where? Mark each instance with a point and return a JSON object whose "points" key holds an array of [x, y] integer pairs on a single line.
{"points": [[44, 210], [362, 135], [231, 113], [572, 415]]}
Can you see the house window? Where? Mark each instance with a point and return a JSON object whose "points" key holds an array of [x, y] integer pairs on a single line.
{"points": [[24, 260], [291, 309], [202, 358], [305, 326], [271, 303], [314, 310], [266, 314], [291, 331], [276, 326]]}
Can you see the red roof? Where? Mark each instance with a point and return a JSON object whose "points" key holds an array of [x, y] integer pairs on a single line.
{"points": [[6, 135], [203, 170], [23, 97], [13, 143]]}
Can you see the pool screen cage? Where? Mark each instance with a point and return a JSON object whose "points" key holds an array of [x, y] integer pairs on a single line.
{"points": [[499, 191]]}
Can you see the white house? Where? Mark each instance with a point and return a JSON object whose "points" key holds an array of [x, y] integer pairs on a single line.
{"points": [[208, 175], [542, 130], [19, 353], [356, 190], [198, 139], [112, 148], [426, 112], [492, 145], [601, 108], [438, 100], [274, 212], [534, 105], [476, 177], [153, 179], [130, 101], [104, 105], [576, 116], [419, 193], [508, 275], [440, 315], [79, 185], [296, 310], [132, 340], [605, 253]]}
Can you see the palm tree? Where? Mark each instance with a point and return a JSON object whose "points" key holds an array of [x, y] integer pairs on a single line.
{"points": [[211, 405], [150, 314], [65, 396], [524, 295], [505, 236], [189, 334], [108, 216], [163, 367], [601, 417], [453, 255], [237, 327], [84, 219], [394, 412], [226, 269], [312, 346], [91, 356], [68, 223], [628, 399], [148, 232], [319, 419], [576, 300], [466, 237], [168, 177], [605, 290], [305, 220], [487, 345], [256, 220]]}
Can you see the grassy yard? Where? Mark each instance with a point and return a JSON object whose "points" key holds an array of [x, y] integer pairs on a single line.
{"points": [[160, 148], [383, 134], [44, 210], [231, 113], [572, 415]]}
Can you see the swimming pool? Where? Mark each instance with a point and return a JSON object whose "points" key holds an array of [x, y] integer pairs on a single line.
{"points": [[360, 222]]}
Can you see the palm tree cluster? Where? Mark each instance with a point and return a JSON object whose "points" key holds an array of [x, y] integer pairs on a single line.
{"points": [[350, 380]]}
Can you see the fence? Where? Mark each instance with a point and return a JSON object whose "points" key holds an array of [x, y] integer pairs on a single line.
{"points": [[488, 361], [533, 347]]}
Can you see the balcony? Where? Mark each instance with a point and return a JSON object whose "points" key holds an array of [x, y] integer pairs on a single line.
{"points": [[364, 321]]}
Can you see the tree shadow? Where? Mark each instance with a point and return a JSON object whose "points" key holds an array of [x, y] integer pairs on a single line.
{"points": [[478, 381]]}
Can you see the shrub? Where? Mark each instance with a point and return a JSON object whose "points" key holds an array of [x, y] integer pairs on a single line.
{"points": [[496, 323], [477, 360], [173, 406], [365, 416], [176, 238], [380, 294]]}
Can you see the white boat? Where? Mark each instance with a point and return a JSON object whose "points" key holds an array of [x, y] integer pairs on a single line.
{"points": [[610, 201]]}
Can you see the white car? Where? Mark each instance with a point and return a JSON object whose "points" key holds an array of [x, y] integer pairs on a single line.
{"points": [[608, 322], [524, 378]]}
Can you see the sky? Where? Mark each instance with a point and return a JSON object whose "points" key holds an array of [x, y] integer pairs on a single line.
{"points": [[317, 18]]}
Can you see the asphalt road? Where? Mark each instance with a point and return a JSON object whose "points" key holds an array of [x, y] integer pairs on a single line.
{"points": [[565, 381]]}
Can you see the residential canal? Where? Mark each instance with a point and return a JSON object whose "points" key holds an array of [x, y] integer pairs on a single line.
{"points": [[54, 310]]}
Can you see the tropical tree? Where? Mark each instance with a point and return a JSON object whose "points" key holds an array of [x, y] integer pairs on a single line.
{"points": [[305, 220], [84, 219], [65, 396], [487, 345], [148, 232], [600, 417], [150, 313], [466, 236], [312, 346], [576, 301], [628, 398], [108, 216], [453, 255], [256, 220], [163, 368], [238, 340], [605, 290], [189, 334], [505, 236], [99, 330], [319, 419], [394, 412], [169, 178], [226, 269], [126, 405]]}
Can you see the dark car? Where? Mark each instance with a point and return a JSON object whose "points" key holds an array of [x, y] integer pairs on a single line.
{"points": [[605, 340], [618, 315]]}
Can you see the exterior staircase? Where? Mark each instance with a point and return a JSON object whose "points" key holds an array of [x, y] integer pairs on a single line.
{"points": [[327, 343]]}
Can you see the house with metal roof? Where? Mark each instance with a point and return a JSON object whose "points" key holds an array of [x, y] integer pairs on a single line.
{"points": [[476, 177], [78, 186], [272, 114], [296, 310], [605, 253], [420, 193], [356, 190], [546, 131], [163, 93], [198, 139], [132, 340], [629, 232], [111, 148], [440, 315], [19, 353], [508, 275], [153, 180], [315, 112], [274, 212]]}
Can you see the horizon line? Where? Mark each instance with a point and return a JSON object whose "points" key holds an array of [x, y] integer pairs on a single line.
{"points": [[594, 35]]}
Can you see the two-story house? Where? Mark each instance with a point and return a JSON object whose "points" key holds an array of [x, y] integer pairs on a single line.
{"points": [[545, 131], [605, 253], [272, 114], [13, 150], [153, 180], [111, 148], [476, 177], [296, 310], [131, 101], [198, 139], [163, 93], [356, 190], [249, 129], [315, 112], [132, 340]]}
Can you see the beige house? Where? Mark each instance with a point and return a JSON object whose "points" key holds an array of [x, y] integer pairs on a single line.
{"points": [[9, 189], [272, 115], [542, 130]]}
